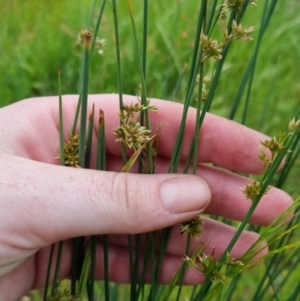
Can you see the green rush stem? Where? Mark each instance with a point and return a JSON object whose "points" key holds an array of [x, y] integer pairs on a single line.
{"points": [[89, 139], [207, 103], [148, 252], [93, 241], [106, 267], [196, 58], [134, 261], [77, 256], [143, 83], [197, 129], [101, 146], [211, 22], [291, 157], [78, 242], [184, 267], [92, 13], [289, 162], [195, 55], [137, 283], [254, 60], [243, 10], [144, 59], [144, 64], [91, 281], [136, 265], [62, 161], [165, 237], [84, 273], [191, 83], [249, 72], [131, 268], [99, 18], [101, 165], [84, 101], [61, 123], [120, 81], [57, 268], [145, 34], [48, 272], [76, 115], [94, 37]]}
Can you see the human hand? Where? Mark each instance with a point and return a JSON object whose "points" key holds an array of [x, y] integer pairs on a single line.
{"points": [[42, 203]]}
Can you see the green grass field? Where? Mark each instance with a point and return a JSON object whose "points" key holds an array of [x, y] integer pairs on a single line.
{"points": [[38, 38]]}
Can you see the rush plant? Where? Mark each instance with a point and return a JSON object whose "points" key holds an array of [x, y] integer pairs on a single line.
{"points": [[219, 25]]}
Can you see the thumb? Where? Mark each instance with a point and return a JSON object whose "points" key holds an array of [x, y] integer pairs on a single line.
{"points": [[51, 203]]}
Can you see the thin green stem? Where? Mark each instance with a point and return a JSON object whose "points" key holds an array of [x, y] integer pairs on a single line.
{"points": [[183, 268], [119, 68], [92, 13], [101, 165], [249, 72], [144, 100], [84, 273], [61, 123], [48, 273], [97, 27], [198, 113], [84, 98], [57, 269], [191, 83], [78, 242], [89, 139]]}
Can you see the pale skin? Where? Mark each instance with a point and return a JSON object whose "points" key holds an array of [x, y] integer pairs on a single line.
{"points": [[42, 202]]}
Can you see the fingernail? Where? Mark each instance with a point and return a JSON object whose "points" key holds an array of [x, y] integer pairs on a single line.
{"points": [[185, 194]]}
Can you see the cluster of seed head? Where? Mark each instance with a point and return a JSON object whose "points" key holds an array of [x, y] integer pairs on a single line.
{"points": [[233, 5], [253, 190], [134, 135], [71, 151], [193, 227], [210, 267], [130, 132], [240, 33], [99, 43], [213, 49], [210, 48]]}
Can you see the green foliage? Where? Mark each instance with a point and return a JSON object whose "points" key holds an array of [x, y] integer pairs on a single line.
{"points": [[44, 40]]}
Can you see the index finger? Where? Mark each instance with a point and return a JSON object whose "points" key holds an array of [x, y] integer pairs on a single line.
{"points": [[222, 142]]}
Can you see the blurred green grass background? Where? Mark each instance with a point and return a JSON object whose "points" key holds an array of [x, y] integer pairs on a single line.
{"points": [[39, 37]]}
